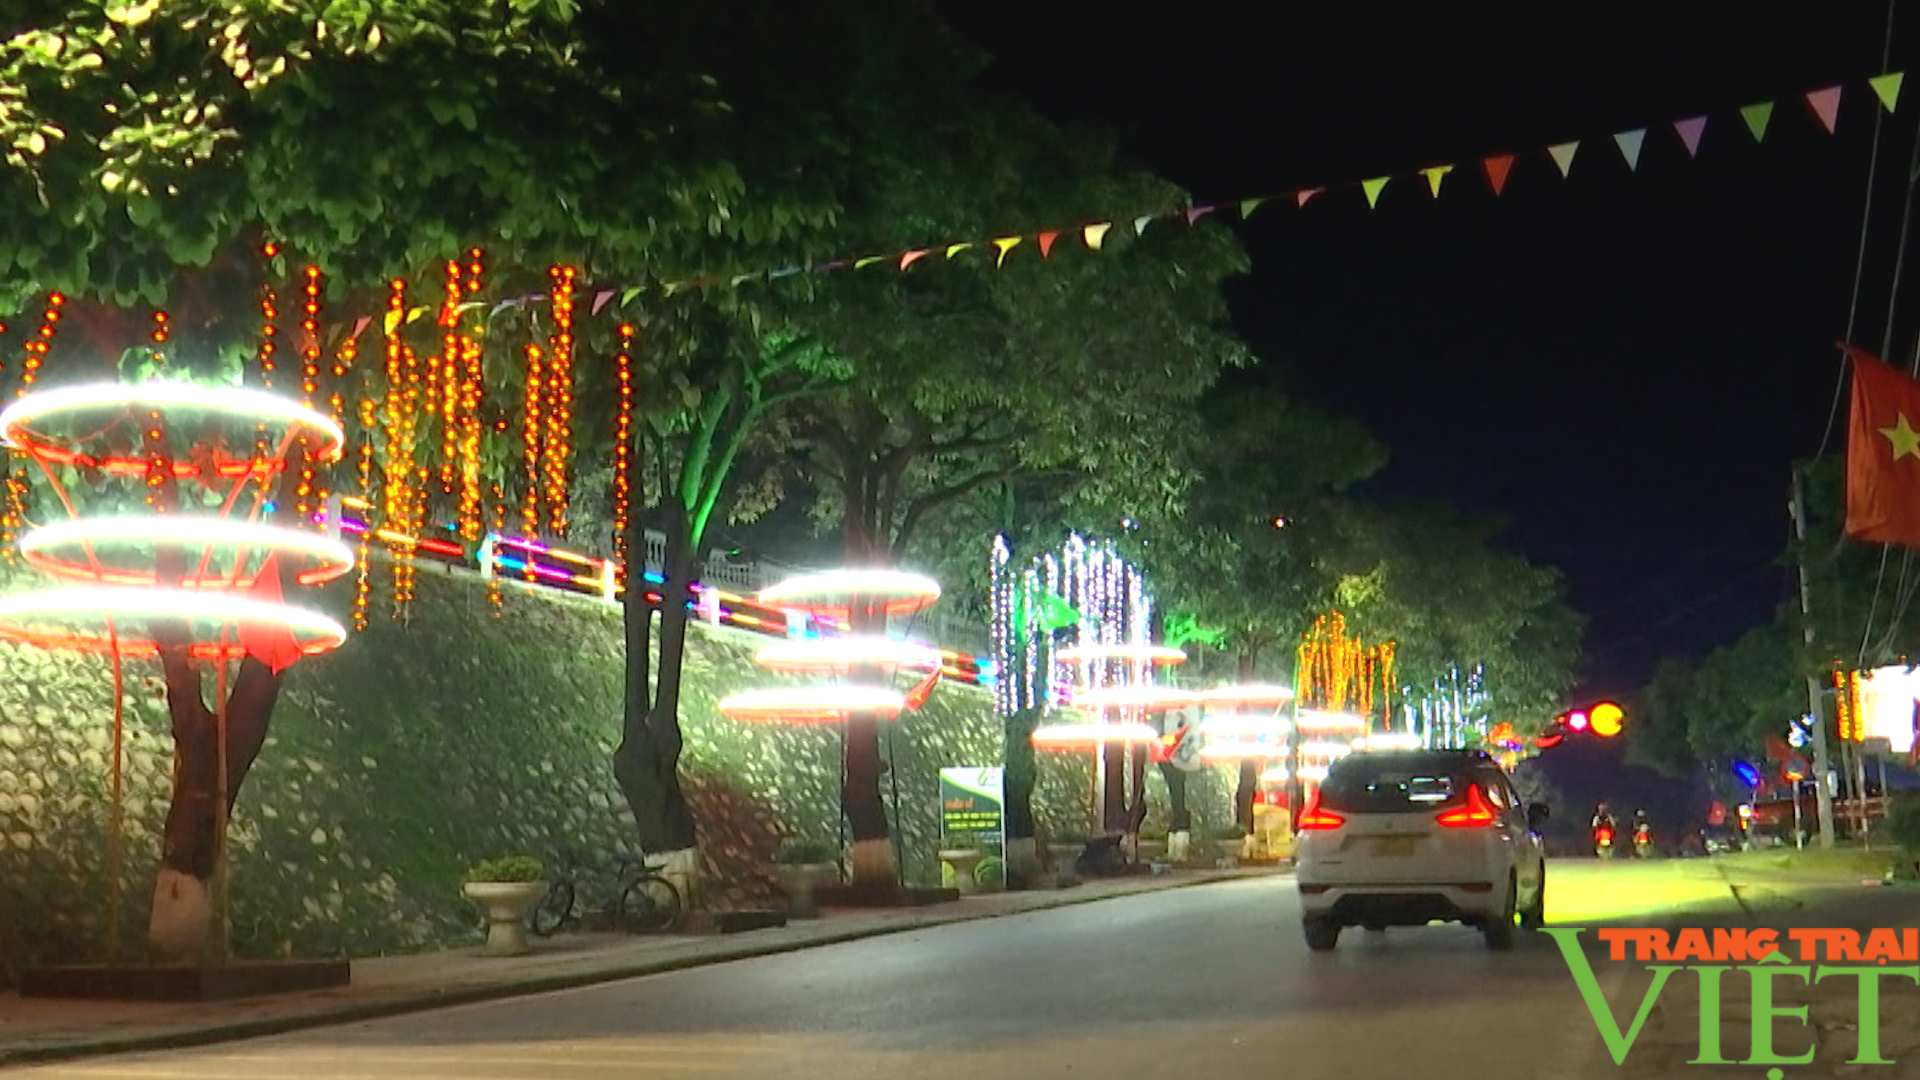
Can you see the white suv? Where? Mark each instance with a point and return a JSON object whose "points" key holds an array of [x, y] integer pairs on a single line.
{"points": [[1404, 838]]}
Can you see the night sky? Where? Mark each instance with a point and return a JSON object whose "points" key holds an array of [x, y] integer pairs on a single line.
{"points": [[1621, 364]]}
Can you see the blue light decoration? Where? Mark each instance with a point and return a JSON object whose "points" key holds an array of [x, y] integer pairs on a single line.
{"points": [[1083, 594], [1748, 775], [1447, 711]]}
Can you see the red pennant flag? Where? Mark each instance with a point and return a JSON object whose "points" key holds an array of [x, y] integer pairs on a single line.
{"points": [[911, 257], [918, 696], [271, 643], [1883, 454], [1826, 105], [361, 325], [1195, 213], [1046, 242], [1307, 193], [600, 300], [1497, 168], [1690, 131]]}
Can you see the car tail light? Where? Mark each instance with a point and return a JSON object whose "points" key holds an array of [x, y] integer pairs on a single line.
{"points": [[1313, 817], [1476, 814]]}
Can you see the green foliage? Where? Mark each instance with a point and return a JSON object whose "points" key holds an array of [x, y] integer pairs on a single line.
{"points": [[507, 869], [1724, 706], [990, 871], [808, 853], [1903, 823]]}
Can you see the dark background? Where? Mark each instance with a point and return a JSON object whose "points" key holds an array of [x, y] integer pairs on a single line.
{"points": [[1622, 364]]}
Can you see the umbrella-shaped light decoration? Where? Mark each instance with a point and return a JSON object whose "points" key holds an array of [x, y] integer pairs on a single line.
{"points": [[209, 462], [836, 593], [841, 655], [1244, 734]]}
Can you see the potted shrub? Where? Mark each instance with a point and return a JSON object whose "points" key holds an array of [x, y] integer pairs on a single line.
{"points": [[802, 864], [991, 874], [963, 862], [1231, 840], [507, 888]]}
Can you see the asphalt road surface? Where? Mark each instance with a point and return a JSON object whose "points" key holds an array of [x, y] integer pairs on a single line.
{"points": [[1212, 981]]}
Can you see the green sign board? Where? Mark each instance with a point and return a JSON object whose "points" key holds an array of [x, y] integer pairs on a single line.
{"points": [[973, 805]]}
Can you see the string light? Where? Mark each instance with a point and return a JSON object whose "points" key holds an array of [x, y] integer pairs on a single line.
{"points": [[623, 444], [558, 449], [362, 584], [395, 490], [270, 318], [473, 392], [530, 498], [493, 580], [35, 355], [452, 385], [159, 337], [309, 382]]}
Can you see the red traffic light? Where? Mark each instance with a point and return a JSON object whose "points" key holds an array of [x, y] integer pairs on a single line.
{"points": [[1577, 721]]}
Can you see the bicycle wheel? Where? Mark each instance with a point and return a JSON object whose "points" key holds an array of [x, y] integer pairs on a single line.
{"points": [[650, 905], [554, 910]]}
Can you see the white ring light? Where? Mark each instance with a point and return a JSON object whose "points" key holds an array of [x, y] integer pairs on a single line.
{"points": [[1236, 750], [834, 591], [1157, 655], [1242, 725], [812, 703], [1248, 695], [1390, 740], [18, 420], [1144, 697], [42, 548], [838, 656], [1067, 736], [1320, 720], [313, 632]]}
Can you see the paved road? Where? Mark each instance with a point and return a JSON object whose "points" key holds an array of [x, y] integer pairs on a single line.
{"points": [[1208, 981]]}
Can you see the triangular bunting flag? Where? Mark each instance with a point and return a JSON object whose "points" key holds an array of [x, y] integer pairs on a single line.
{"points": [[1629, 143], [785, 271], [909, 258], [1096, 234], [600, 300], [1826, 105], [1435, 175], [361, 325], [1888, 87], [1140, 223], [1005, 244], [1756, 117], [862, 264], [955, 249], [627, 297], [1045, 240], [414, 315], [1248, 206], [1563, 155], [1195, 213], [1307, 193], [1689, 131], [669, 288], [919, 694], [393, 320], [741, 279], [1372, 188], [1497, 168]]}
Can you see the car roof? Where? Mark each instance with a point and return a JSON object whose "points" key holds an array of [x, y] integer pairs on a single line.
{"points": [[1372, 760]]}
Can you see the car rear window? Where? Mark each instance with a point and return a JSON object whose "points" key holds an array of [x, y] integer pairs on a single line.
{"points": [[1387, 789]]}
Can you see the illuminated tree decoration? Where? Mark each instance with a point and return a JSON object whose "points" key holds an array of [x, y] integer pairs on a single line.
{"points": [[813, 704], [472, 393], [531, 445], [12, 514], [83, 550], [623, 444], [1341, 674], [558, 444], [841, 655], [835, 592], [1144, 697], [1087, 736], [83, 620]]}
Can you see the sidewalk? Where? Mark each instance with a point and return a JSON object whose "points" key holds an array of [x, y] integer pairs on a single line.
{"points": [[43, 1029]]}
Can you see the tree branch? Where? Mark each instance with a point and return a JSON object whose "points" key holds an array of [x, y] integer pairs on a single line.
{"points": [[938, 497]]}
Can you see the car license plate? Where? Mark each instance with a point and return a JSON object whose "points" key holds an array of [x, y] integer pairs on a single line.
{"points": [[1393, 845]]}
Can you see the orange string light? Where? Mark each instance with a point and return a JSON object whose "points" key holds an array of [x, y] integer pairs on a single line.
{"points": [[472, 390], [530, 498], [363, 583], [623, 445], [558, 448], [270, 317], [493, 580], [398, 472], [13, 515], [309, 383], [452, 377]]}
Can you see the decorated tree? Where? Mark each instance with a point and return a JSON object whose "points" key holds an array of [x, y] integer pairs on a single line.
{"points": [[263, 172]]}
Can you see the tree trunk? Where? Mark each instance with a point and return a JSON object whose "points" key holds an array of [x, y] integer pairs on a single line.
{"points": [[1249, 785], [647, 762], [180, 920], [1113, 794], [861, 798], [1020, 775], [1137, 806], [1179, 818]]}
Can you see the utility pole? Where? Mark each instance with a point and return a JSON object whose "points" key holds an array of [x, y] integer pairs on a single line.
{"points": [[1823, 793]]}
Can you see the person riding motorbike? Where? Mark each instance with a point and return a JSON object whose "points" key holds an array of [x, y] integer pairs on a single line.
{"points": [[1603, 828], [1642, 834]]}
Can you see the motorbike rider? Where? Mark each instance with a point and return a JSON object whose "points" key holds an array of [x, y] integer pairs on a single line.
{"points": [[1602, 818]]}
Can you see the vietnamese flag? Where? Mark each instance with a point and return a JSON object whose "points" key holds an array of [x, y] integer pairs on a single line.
{"points": [[271, 643], [1883, 454]]}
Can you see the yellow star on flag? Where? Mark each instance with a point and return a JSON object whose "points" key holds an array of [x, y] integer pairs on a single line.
{"points": [[1905, 440]]}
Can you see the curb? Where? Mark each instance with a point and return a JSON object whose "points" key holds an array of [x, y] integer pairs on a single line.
{"points": [[425, 1002]]}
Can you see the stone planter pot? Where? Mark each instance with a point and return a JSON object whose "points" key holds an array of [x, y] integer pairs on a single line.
{"points": [[507, 904], [1178, 845], [1230, 849], [963, 861], [797, 881], [1151, 850]]}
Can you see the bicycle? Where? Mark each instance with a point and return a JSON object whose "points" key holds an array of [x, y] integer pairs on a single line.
{"points": [[645, 902]]}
